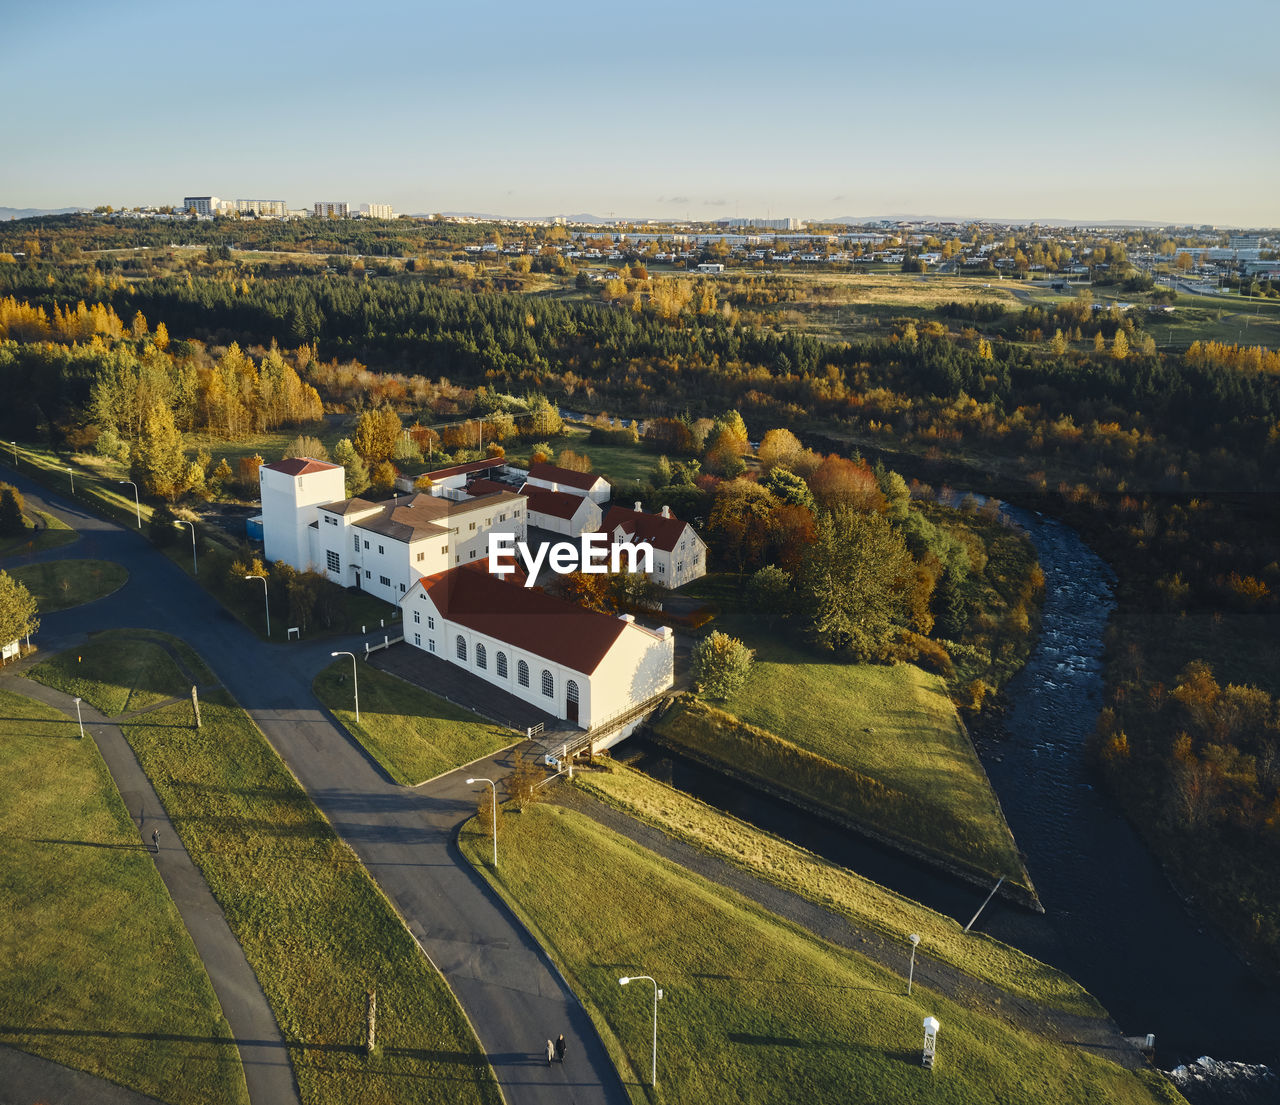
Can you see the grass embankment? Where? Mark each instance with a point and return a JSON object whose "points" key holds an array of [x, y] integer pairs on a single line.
{"points": [[44, 532], [879, 745], [413, 735], [314, 927], [96, 968], [61, 584], [862, 901], [756, 1010]]}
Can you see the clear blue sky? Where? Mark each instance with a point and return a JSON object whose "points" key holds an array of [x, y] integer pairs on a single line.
{"points": [[1093, 109]]}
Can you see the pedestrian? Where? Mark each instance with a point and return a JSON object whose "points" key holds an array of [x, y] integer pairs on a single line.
{"points": [[155, 841], [560, 1047], [551, 1052]]}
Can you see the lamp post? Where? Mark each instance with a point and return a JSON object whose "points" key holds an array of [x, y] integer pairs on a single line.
{"points": [[79, 720], [494, 787], [195, 568], [657, 993], [355, 679], [137, 506], [73, 480], [911, 974], [14, 446], [266, 601]]}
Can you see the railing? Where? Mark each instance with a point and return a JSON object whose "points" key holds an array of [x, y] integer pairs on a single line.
{"points": [[578, 741]]}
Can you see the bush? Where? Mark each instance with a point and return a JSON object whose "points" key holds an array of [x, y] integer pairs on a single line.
{"points": [[721, 665]]}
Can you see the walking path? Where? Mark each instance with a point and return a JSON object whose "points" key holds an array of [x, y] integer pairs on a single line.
{"points": [[1099, 1035], [512, 994], [31, 1080], [267, 1070]]}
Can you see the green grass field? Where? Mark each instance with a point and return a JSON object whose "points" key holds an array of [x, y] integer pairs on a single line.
{"points": [[864, 902], [96, 968], [116, 672], [61, 584], [893, 725], [614, 462], [314, 927], [51, 534], [756, 1010], [413, 734]]}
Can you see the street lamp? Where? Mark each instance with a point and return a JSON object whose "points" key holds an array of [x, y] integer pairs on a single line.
{"points": [[656, 995], [195, 569], [79, 720], [355, 679], [494, 786], [137, 506], [14, 446], [915, 943], [73, 480], [266, 600]]}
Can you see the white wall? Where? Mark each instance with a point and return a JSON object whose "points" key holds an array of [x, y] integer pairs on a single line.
{"points": [[289, 506]]}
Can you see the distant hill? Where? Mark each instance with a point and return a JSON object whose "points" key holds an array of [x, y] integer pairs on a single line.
{"points": [[36, 212]]}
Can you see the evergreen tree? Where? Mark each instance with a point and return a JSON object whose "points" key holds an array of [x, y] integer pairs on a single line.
{"points": [[12, 522], [357, 472]]}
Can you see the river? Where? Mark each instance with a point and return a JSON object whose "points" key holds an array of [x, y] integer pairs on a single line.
{"points": [[1111, 918]]}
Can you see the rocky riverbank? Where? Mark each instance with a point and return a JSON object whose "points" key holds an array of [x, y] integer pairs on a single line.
{"points": [[1210, 1082]]}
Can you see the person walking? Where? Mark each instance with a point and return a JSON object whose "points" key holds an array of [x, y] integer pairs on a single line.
{"points": [[560, 1047], [155, 841], [551, 1052]]}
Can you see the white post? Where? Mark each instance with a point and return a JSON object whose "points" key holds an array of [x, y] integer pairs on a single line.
{"points": [[266, 600], [915, 943], [355, 679], [195, 567], [137, 505], [79, 719], [494, 786], [657, 993], [73, 480]]}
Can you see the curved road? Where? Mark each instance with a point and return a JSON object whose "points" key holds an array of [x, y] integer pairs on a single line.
{"points": [[514, 997]]}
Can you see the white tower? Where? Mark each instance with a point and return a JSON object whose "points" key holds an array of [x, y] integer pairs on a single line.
{"points": [[931, 1027], [291, 491]]}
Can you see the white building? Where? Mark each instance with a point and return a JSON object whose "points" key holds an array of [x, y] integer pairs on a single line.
{"points": [[377, 211], [331, 209], [276, 209], [576, 664], [560, 512], [551, 477], [679, 554], [382, 548], [204, 205]]}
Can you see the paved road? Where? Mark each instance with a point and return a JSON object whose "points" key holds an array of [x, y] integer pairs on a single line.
{"points": [[512, 994], [29, 1080]]}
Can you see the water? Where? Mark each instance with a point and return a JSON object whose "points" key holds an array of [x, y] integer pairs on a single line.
{"points": [[1111, 918]]}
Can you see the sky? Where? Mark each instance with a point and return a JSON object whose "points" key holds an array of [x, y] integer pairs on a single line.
{"points": [[1127, 109]]}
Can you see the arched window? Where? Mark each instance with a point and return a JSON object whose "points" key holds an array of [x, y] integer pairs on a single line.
{"points": [[522, 674], [502, 665], [548, 684], [571, 691], [461, 646], [482, 657]]}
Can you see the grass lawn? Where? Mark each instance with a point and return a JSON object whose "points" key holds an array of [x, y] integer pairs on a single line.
{"points": [[756, 1010], [614, 462], [52, 534], [864, 902], [314, 927], [414, 735], [60, 584], [117, 672], [893, 725], [96, 967]]}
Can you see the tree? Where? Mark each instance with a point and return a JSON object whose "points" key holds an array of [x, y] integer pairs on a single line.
{"points": [[157, 463], [544, 419], [770, 592], [741, 521], [779, 449], [376, 435], [1120, 346], [304, 445], [720, 665], [383, 478], [574, 462], [18, 610], [839, 482], [12, 522], [787, 487], [357, 472], [853, 586]]}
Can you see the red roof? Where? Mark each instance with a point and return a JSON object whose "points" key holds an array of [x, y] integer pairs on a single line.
{"points": [[460, 469], [559, 504], [524, 618], [662, 533], [300, 466], [552, 473], [487, 487]]}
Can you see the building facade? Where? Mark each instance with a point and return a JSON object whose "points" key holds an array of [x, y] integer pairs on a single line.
{"points": [[551, 477], [331, 209], [679, 554], [276, 209]]}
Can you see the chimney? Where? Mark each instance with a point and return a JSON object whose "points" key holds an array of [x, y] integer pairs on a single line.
{"points": [[666, 511], [637, 507]]}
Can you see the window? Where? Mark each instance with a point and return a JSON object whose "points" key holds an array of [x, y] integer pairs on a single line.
{"points": [[662, 569], [355, 543], [548, 684], [472, 526], [431, 622], [458, 559], [329, 520], [431, 644], [366, 544], [522, 674], [502, 665], [473, 554], [502, 517], [385, 581], [422, 556], [482, 657], [368, 574], [516, 514], [460, 645], [488, 522], [402, 588], [382, 550], [333, 560], [417, 639], [417, 617], [444, 550]]}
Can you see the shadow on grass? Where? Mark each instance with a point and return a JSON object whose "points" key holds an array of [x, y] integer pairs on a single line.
{"points": [[12, 1031], [139, 847], [751, 1040]]}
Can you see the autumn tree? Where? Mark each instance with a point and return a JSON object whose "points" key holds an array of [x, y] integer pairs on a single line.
{"points": [[306, 446], [376, 435], [18, 610], [720, 665], [157, 463], [574, 462], [840, 483], [12, 522], [740, 522], [779, 449]]}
